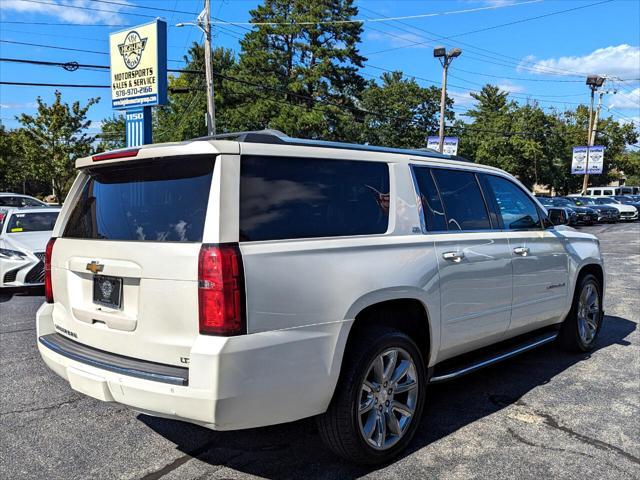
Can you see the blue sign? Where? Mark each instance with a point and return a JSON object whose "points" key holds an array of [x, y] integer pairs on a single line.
{"points": [[138, 126]]}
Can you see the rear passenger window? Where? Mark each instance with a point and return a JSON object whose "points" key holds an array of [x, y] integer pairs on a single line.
{"points": [[518, 210], [286, 198], [462, 199], [431, 204]]}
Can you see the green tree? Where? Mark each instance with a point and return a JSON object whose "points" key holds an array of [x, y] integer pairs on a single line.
{"points": [[307, 70], [405, 112], [112, 134], [184, 115], [611, 133], [15, 170], [54, 138]]}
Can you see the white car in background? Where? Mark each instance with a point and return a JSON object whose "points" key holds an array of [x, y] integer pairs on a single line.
{"points": [[19, 200], [627, 212], [24, 233]]}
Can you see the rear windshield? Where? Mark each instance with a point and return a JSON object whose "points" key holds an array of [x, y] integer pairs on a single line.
{"points": [[162, 200], [31, 222]]}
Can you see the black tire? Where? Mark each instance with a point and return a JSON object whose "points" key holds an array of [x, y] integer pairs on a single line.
{"points": [[339, 426], [569, 337]]}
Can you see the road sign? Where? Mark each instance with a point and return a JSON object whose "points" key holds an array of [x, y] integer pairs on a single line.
{"points": [[593, 156], [139, 65], [450, 146]]}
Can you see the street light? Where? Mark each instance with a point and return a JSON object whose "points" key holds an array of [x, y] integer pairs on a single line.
{"points": [[203, 22], [445, 59]]}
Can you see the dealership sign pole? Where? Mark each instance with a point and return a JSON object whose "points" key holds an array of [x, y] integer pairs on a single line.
{"points": [[139, 76]]}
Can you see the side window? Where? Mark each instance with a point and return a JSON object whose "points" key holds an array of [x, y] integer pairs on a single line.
{"points": [[431, 205], [518, 211], [287, 198], [596, 192], [464, 206]]}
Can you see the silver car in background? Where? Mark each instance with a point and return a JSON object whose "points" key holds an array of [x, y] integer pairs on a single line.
{"points": [[24, 233]]}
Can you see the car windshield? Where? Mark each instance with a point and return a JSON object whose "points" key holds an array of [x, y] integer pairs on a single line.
{"points": [[32, 222], [583, 201], [563, 202]]}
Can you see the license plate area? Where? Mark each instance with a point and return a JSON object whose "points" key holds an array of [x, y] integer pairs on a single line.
{"points": [[107, 291]]}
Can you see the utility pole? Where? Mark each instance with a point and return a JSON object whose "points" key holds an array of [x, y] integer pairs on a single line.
{"points": [[592, 141], [203, 22], [594, 82], [445, 59], [211, 103]]}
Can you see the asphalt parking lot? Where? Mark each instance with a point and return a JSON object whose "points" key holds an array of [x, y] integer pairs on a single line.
{"points": [[544, 414]]}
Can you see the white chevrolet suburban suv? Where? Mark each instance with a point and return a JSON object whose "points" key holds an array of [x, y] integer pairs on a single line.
{"points": [[252, 279]]}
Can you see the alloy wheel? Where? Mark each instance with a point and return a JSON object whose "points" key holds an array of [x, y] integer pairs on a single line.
{"points": [[388, 398], [588, 313]]}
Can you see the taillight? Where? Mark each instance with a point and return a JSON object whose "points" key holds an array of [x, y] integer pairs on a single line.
{"points": [[48, 287], [221, 290]]}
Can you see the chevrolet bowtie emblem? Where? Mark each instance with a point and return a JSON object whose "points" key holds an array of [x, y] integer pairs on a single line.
{"points": [[94, 267]]}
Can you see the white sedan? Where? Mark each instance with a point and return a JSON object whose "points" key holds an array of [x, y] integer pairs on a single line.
{"points": [[24, 233], [627, 212]]}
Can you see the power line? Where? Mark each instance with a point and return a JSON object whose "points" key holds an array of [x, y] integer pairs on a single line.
{"points": [[71, 66], [509, 62], [523, 20], [56, 47], [63, 85]]}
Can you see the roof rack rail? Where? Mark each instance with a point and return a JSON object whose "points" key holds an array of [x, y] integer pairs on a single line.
{"points": [[277, 137]]}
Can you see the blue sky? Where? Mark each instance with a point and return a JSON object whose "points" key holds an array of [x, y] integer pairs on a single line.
{"points": [[544, 59]]}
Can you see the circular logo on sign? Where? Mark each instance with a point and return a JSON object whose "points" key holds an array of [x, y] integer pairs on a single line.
{"points": [[106, 289], [131, 49]]}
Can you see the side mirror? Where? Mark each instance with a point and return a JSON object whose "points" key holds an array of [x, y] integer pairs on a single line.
{"points": [[558, 216]]}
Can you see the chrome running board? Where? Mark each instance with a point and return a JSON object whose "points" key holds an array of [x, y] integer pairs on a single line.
{"points": [[450, 375]]}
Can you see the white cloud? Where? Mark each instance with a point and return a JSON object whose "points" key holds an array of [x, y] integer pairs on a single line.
{"points": [[461, 98], [625, 99], [60, 10], [499, 3], [618, 61], [18, 106], [509, 87]]}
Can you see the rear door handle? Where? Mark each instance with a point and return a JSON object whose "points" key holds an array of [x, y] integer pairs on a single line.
{"points": [[523, 251], [453, 256]]}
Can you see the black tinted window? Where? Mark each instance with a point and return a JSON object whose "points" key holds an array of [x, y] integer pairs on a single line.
{"points": [[32, 222], [431, 205], [306, 197], [516, 207], [156, 201], [464, 206]]}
